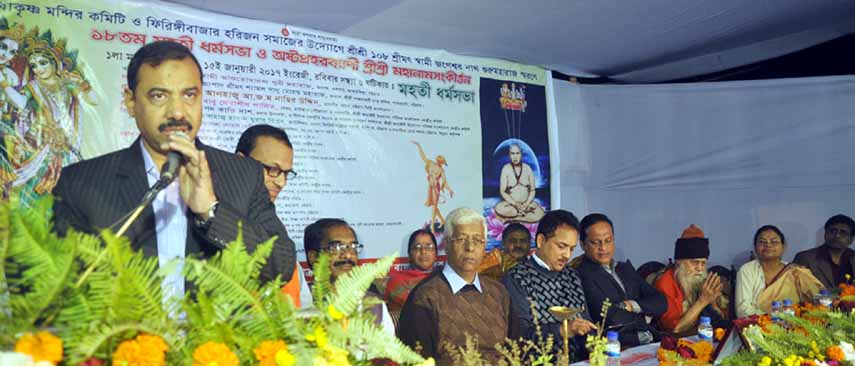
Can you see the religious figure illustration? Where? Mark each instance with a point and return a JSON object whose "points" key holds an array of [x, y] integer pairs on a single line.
{"points": [[46, 133], [517, 186], [437, 184], [9, 80], [9, 83]]}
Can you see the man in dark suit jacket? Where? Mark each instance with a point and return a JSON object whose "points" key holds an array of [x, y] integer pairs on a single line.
{"points": [[833, 260], [214, 193], [633, 299]]}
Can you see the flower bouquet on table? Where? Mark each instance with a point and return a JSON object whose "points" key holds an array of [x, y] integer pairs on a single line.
{"points": [[92, 301], [847, 295], [817, 337], [682, 352]]}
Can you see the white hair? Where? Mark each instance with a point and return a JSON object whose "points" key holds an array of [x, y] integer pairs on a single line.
{"points": [[462, 216]]}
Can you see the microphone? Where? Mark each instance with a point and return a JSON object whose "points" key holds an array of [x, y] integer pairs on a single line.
{"points": [[173, 161], [170, 167]]}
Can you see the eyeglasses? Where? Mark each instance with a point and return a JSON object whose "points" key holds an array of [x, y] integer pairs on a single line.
{"points": [[426, 247], [770, 243], [275, 172], [337, 247], [465, 240]]}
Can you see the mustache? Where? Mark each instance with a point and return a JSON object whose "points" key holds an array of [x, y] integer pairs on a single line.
{"points": [[173, 123], [344, 262]]}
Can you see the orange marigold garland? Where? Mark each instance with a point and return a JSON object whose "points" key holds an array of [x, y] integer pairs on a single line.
{"points": [[145, 349], [214, 354], [43, 346]]}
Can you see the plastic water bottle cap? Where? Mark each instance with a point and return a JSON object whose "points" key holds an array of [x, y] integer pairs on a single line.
{"points": [[612, 335], [824, 292], [776, 304], [788, 302], [705, 320]]}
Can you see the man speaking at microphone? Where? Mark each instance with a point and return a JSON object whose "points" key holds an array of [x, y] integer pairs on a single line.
{"points": [[196, 214]]}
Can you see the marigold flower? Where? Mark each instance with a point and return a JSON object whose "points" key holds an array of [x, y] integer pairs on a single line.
{"points": [[267, 350], [152, 343], [143, 350], [835, 353], [43, 346], [719, 334], [285, 358], [214, 354], [703, 351], [334, 313], [319, 337]]}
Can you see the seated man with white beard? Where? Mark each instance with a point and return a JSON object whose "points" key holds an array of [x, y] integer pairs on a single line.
{"points": [[689, 290]]}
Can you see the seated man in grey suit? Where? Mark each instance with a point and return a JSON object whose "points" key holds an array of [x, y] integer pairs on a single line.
{"points": [[213, 194]]}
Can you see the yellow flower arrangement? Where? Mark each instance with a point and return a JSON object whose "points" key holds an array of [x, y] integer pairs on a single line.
{"points": [[43, 346], [267, 352], [214, 354], [145, 349]]}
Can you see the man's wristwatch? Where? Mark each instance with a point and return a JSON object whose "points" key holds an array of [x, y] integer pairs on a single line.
{"points": [[212, 211]]}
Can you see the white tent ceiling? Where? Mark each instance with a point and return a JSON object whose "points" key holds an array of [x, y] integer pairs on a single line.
{"points": [[628, 40]]}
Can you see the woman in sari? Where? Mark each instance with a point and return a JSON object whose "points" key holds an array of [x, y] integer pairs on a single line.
{"points": [[768, 278], [422, 253]]}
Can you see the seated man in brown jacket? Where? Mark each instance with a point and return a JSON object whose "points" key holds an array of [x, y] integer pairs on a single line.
{"points": [[455, 301]]}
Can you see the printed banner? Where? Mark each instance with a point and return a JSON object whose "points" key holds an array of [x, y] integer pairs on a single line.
{"points": [[390, 138]]}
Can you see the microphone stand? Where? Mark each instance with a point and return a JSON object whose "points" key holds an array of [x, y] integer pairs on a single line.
{"points": [[134, 215]]}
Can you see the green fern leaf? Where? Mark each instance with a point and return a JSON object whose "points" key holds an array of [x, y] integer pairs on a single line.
{"points": [[321, 288], [351, 287], [372, 342]]}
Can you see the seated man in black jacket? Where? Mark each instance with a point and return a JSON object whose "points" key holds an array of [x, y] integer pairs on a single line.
{"points": [[634, 301]]}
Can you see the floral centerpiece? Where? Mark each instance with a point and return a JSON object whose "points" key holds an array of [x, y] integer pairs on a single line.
{"points": [[847, 295], [674, 352], [92, 301], [816, 337]]}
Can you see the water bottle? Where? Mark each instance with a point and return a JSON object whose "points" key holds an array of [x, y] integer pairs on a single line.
{"points": [[825, 298], [788, 307], [705, 330], [612, 349], [776, 312]]}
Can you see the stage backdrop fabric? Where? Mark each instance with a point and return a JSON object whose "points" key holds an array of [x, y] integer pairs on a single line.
{"points": [[358, 112], [728, 156]]}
